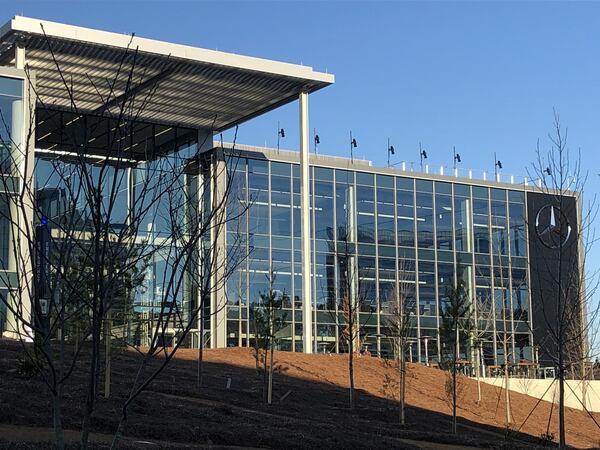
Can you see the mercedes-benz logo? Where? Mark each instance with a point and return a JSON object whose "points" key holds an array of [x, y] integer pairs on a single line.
{"points": [[552, 227]]}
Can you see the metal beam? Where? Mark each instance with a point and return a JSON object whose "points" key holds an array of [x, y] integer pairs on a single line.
{"points": [[145, 85]]}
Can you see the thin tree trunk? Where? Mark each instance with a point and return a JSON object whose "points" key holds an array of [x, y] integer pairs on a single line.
{"points": [[57, 397], [583, 384], [270, 392], [454, 384], [57, 418], [351, 364], [402, 382], [506, 373], [107, 368], [265, 370], [120, 430], [507, 393], [561, 398], [92, 382], [200, 346], [271, 339], [477, 373]]}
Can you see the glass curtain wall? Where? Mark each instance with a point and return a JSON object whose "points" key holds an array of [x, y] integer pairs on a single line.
{"points": [[408, 238], [151, 198]]}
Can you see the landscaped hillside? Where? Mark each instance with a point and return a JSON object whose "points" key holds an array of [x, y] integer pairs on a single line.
{"points": [[312, 414]]}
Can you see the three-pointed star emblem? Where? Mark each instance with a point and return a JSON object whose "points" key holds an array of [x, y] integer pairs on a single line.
{"points": [[552, 227]]}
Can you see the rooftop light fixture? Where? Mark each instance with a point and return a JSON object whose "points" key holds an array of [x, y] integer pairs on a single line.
{"points": [[423, 155], [353, 145], [497, 165], [456, 157], [390, 151], [280, 135]]}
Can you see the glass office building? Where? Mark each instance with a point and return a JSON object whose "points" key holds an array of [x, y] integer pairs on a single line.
{"points": [[405, 233], [413, 233]]}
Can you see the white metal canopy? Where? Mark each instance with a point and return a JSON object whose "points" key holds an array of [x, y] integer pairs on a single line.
{"points": [[177, 84]]}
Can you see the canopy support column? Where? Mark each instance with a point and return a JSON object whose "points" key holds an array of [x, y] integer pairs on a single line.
{"points": [[307, 325]]}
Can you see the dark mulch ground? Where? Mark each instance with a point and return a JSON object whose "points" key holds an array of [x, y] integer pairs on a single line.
{"points": [[313, 415]]}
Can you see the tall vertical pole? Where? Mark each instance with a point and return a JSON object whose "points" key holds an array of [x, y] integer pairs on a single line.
{"points": [[307, 328], [454, 153], [495, 166], [278, 136]]}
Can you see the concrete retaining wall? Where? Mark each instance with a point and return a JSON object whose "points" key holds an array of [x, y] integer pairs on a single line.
{"points": [[538, 388]]}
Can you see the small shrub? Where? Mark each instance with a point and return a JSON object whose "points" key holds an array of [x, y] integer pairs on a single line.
{"points": [[390, 387], [224, 409], [449, 388], [546, 439], [30, 365]]}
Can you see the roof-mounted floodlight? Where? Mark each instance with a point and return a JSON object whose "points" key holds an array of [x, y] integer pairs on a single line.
{"points": [[456, 157], [280, 135], [497, 165], [390, 151], [353, 145], [422, 155]]}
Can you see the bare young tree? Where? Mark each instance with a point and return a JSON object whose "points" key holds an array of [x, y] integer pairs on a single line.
{"points": [[269, 319], [567, 310], [483, 321], [455, 331], [503, 315], [399, 322], [353, 294], [106, 203]]}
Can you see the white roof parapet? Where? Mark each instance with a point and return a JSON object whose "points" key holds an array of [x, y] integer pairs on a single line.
{"points": [[465, 176]]}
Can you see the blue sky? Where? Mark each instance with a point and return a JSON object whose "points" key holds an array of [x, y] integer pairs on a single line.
{"points": [[484, 77]]}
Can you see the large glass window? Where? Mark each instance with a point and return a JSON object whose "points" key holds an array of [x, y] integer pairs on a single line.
{"points": [[258, 193], [463, 220], [443, 218], [325, 285], [281, 206], [481, 229], [427, 295], [367, 283], [424, 210], [520, 295], [386, 233], [344, 199], [501, 292], [499, 222], [323, 206], [12, 122], [516, 213], [365, 213], [446, 281], [236, 288], [405, 217]]}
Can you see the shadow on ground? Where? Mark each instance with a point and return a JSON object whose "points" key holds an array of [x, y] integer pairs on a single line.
{"points": [[306, 414]]}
